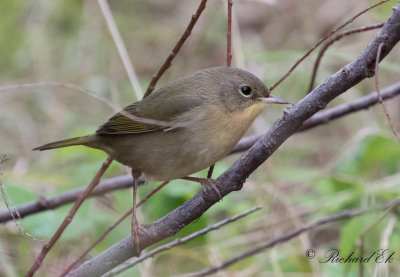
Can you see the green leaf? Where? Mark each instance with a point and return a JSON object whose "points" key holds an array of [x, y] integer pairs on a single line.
{"points": [[352, 231], [375, 155]]}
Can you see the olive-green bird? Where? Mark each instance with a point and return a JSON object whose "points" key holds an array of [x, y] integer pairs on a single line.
{"points": [[183, 127]]}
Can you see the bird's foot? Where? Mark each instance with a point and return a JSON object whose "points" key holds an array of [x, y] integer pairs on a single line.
{"points": [[206, 184], [136, 231]]}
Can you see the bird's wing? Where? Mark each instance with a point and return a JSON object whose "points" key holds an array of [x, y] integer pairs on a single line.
{"points": [[157, 112], [127, 122]]}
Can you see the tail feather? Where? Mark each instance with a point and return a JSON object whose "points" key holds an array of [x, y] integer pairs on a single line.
{"points": [[62, 143]]}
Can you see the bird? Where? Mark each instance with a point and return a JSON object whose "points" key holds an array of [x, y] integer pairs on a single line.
{"points": [[181, 128]]}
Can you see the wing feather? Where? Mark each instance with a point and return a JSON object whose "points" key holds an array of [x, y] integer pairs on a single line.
{"points": [[164, 109], [121, 124]]}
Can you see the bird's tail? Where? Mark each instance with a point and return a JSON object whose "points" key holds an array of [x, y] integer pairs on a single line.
{"points": [[63, 143]]}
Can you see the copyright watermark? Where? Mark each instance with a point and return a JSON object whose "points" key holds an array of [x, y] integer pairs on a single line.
{"points": [[310, 253], [381, 256]]}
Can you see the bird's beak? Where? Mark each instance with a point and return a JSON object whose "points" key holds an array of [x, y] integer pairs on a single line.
{"points": [[272, 99]]}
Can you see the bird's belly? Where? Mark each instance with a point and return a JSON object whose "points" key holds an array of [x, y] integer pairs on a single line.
{"points": [[168, 155]]}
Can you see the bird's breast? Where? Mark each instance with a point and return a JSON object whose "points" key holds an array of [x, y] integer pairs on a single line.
{"points": [[221, 131]]}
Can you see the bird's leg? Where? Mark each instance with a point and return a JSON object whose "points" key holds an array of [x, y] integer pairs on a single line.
{"points": [[205, 182], [135, 224], [210, 171]]}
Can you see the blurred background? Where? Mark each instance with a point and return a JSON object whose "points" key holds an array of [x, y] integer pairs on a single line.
{"points": [[349, 163]]}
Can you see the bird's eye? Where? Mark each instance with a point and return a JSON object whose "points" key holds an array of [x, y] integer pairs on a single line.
{"points": [[245, 90]]}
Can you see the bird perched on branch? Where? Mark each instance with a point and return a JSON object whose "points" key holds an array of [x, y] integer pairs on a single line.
{"points": [[181, 128]]}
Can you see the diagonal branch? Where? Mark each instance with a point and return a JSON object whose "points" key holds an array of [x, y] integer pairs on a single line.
{"points": [[67, 220], [322, 40], [176, 49], [112, 227], [333, 40], [179, 241], [290, 235], [233, 178]]}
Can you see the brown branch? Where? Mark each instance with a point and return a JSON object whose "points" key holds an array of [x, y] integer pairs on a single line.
{"points": [[125, 181], [322, 40], [112, 227], [179, 241], [290, 235], [175, 50], [333, 40], [233, 178], [229, 35], [46, 248], [228, 58], [43, 204], [385, 110]]}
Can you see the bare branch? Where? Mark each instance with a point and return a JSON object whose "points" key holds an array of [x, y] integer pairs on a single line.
{"points": [[229, 35], [233, 178], [331, 41], [67, 220], [175, 50], [385, 110], [322, 40], [179, 241], [112, 227], [43, 204], [290, 235], [123, 53]]}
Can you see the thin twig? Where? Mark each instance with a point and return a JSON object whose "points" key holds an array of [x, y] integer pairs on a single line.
{"points": [[131, 116], [177, 242], [322, 40], [46, 248], [16, 218], [175, 50], [334, 39], [366, 231], [6, 198], [63, 85], [159, 123], [228, 58], [385, 110], [229, 35], [288, 236], [123, 53], [382, 269], [112, 227]]}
